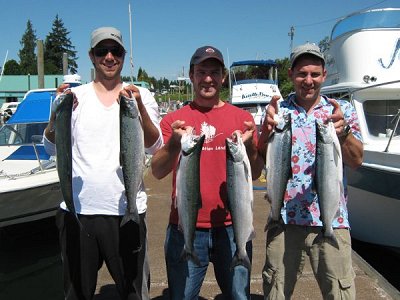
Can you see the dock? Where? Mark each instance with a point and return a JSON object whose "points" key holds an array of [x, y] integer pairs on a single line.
{"points": [[370, 285]]}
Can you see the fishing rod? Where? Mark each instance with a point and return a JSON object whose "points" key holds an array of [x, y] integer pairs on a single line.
{"points": [[2, 69]]}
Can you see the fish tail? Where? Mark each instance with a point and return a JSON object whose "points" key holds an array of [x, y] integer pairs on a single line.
{"points": [[130, 217], [241, 260], [330, 237]]}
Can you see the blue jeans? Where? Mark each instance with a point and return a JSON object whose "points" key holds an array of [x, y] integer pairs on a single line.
{"points": [[214, 245]]}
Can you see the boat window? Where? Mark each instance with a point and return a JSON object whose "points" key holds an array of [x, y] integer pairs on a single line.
{"points": [[379, 18], [250, 73], [18, 134], [380, 116]]}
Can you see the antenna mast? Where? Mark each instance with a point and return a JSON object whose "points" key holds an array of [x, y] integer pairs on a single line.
{"points": [[130, 41], [291, 34]]}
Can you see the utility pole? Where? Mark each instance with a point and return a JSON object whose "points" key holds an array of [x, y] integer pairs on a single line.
{"points": [[291, 34]]}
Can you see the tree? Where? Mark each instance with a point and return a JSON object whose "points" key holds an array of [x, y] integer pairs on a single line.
{"points": [[285, 85], [11, 67], [142, 75], [27, 56], [57, 43], [324, 44]]}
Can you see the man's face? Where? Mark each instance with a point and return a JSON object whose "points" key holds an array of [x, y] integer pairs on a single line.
{"points": [[108, 59], [307, 76], [207, 78]]}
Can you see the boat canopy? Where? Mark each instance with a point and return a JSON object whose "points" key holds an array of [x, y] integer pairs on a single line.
{"points": [[370, 19], [35, 108], [268, 62]]}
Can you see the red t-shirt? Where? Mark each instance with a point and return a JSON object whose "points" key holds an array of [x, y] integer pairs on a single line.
{"points": [[217, 124]]}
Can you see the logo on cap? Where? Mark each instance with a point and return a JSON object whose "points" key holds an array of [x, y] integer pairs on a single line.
{"points": [[210, 50]]}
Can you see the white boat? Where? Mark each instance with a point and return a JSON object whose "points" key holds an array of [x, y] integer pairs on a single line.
{"points": [[252, 85], [363, 65], [29, 184]]}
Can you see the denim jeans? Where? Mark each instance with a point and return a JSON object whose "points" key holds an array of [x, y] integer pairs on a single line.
{"points": [[214, 245]]}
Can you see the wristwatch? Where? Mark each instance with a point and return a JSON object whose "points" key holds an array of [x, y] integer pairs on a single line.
{"points": [[346, 131]]}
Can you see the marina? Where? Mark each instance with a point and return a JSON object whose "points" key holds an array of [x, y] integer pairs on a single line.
{"points": [[363, 62]]}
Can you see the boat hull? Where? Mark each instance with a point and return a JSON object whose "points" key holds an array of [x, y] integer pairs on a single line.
{"points": [[29, 204], [374, 205]]}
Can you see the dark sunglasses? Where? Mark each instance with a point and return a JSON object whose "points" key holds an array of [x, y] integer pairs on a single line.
{"points": [[103, 51]]}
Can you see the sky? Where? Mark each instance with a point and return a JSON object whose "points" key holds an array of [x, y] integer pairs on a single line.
{"points": [[165, 33]]}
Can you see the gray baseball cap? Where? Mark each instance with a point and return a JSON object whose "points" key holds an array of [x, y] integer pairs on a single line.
{"points": [[307, 48], [105, 33]]}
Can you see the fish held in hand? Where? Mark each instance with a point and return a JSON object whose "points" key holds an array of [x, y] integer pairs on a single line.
{"points": [[278, 166], [328, 177], [188, 198], [240, 198], [64, 148], [132, 155]]}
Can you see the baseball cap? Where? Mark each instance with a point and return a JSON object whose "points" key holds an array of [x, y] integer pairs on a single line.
{"points": [[204, 53], [105, 33], [307, 48]]}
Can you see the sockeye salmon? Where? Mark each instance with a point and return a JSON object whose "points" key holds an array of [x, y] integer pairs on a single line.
{"points": [[328, 176], [240, 198], [188, 198], [278, 166], [64, 149], [132, 155]]}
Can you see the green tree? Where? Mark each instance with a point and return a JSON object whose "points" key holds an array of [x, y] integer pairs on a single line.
{"points": [[324, 44], [142, 75], [57, 43], [27, 56], [12, 67], [284, 83]]}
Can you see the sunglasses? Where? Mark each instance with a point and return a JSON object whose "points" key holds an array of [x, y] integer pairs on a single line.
{"points": [[103, 51]]}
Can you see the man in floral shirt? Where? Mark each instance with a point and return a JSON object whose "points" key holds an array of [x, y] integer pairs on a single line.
{"points": [[301, 229]]}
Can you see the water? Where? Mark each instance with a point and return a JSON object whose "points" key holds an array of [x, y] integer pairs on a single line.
{"points": [[30, 263], [382, 259]]}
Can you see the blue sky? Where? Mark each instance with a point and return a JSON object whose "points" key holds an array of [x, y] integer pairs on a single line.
{"points": [[166, 33]]}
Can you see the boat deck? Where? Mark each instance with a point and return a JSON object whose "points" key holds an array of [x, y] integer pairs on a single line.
{"points": [[369, 284]]}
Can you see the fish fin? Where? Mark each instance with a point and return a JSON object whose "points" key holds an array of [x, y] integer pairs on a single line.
{"points": [[244, 261], [186, 255], [271, 224], [252, 235]]}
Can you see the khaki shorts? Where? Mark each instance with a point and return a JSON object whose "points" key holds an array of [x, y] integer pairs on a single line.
{"points": [[287, 247]]}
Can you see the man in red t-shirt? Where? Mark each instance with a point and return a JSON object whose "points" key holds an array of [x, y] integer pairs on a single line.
{"points": [[214, 240]]}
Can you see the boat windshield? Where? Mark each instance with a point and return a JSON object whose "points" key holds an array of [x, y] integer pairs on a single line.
{"points": [[19, 134], [381, 117], [253, 73], [371, 19]]}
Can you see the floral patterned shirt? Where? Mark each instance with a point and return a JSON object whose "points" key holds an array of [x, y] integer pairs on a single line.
{"points": [[301, 205]]}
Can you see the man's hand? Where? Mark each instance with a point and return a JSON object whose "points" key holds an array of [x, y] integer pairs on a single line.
{"points": [[337, 118]]}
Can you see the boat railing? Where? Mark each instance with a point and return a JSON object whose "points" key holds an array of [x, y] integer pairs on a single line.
{"points": [[396, 119], [37, 139], [349, 92]]}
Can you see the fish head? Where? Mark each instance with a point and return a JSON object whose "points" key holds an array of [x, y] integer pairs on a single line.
{"points": [[283, 121], [129, 107], [234, 147], [191, 142]]}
